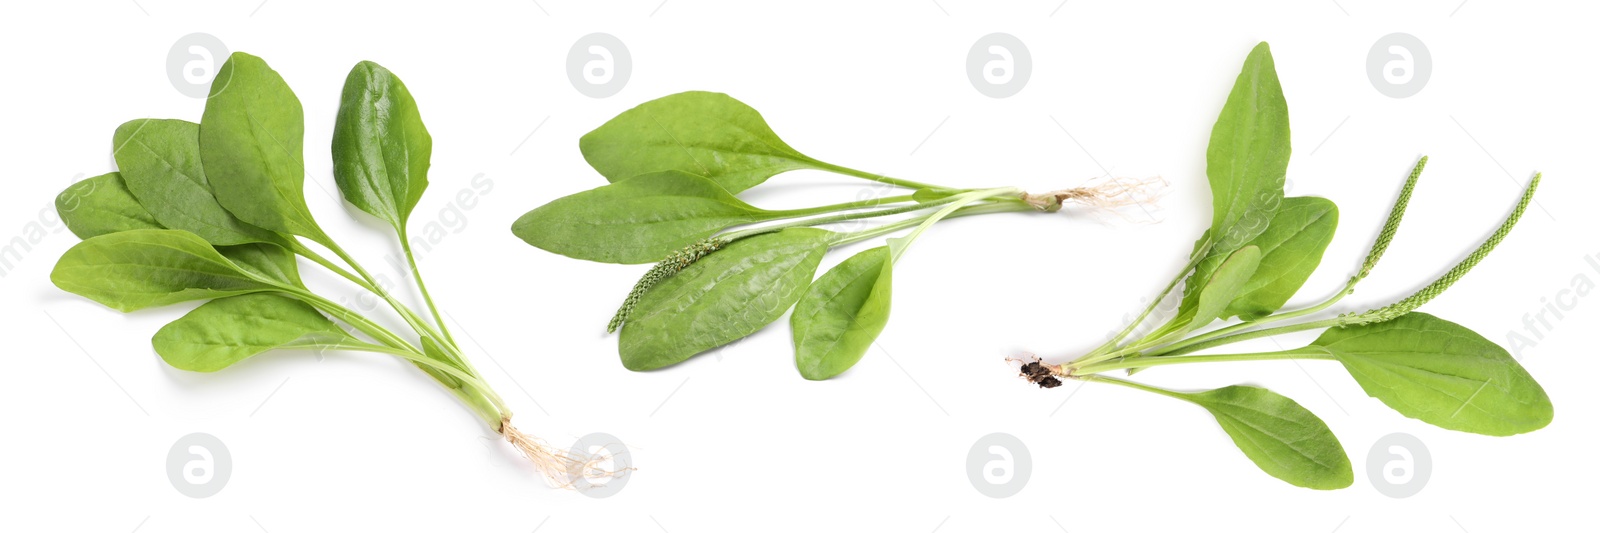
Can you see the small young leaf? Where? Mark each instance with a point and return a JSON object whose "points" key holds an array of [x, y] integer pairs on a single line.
{"points": [[1225, 284], [706, 134], [266, 260], [722, 297], [842, 312], [1284, 439], [636, 220], [250, 144], [1291, 249], [135, 269], [1438, 372], [228, 330], [101, 205], [381, 149], [160, 160]]}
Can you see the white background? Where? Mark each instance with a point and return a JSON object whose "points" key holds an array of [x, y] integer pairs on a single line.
{"points": [[737, 441]]}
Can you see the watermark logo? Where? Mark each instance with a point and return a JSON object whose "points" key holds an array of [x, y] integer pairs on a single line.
{"points": [[612, 459], [1399, 65], [1399, 465], [998, 465], [198, 465], [599, 65], [999, 65], [1540, 324], [193, 61]]}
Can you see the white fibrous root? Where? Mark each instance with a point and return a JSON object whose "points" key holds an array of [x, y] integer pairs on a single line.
{"points": [[560, 468], [1109, 194]]}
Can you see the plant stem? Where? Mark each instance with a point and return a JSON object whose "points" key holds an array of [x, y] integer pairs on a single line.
{"points": [[1142, 362], [809, 222], [1348, 288], [491, 412], [1194, 261], [1237, 337], [1136, 385], [979, 209], [423, 360], [846, 206], [411, 261], [830, 167], [959, 201], [422, 328]]}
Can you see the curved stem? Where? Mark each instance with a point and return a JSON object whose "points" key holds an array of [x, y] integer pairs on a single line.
{"points": [[411, 261], [1142, 362], [830, 167], [736, 235], [1237, 337], [958, 202], [1136, 385], [301, 249], [411, 317], [1111, 344], [423, 360], [979, 209], [1246, 326], [846, 206]]}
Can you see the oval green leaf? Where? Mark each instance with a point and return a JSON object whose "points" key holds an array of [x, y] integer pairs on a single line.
{"points": [[1438, 372], [135, 269], [160, 161], [225, 331], [1248, 156], [706, 134], [637, 220], [381, 149], [251, 136], [1291, 248], [842, 312], [1246, 163], [722, 297], [1284, 439], [100, 205]]}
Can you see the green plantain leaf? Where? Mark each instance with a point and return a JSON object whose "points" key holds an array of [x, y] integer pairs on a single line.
{"points": [[101, 205], [160, 161], [1438, 372], [636, 220], [250, 144], [842, 312], [1284, 439], [266, 260], [1291, 249], [135, 269], [381, 149], [225, 331], [1248, 156], [1246, 163], [722, 297], [706, 134]]}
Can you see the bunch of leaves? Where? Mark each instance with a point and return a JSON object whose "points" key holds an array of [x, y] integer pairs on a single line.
{"points": [[1261, 247], [725, 268], [216, 211]]}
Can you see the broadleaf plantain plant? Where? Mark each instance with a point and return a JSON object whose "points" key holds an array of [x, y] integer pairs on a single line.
{"points": [[215, 211], [676, 165], [1259, 250]]}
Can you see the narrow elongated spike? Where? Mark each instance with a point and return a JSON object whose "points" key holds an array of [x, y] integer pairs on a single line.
{"points": [[1393, 224], [1438, 287], [667, 268]]}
